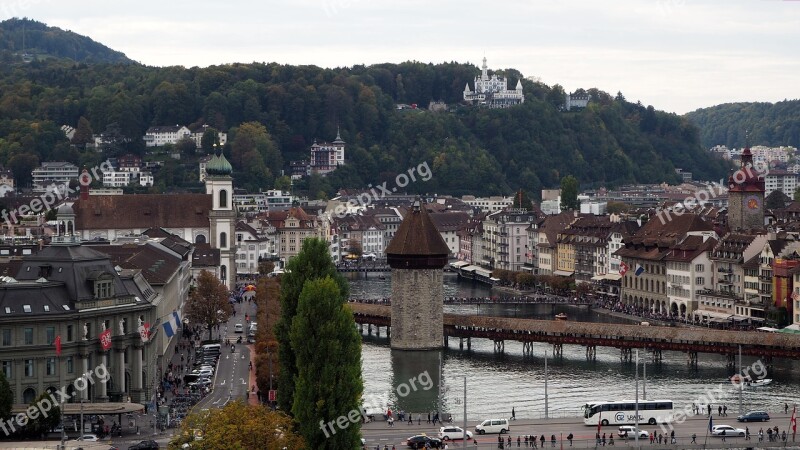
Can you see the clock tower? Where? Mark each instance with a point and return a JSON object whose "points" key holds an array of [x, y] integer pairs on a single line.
{"points": [[746, 196]]}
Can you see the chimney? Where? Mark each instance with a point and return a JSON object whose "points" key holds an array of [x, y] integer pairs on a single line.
{"points": [[85, 181]]}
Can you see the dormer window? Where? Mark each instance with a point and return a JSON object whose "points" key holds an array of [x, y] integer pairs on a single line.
{"points": [[102, 284]]}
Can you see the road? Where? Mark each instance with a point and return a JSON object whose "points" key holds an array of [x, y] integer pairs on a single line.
{"points": [[233, 373], [380, 434]]}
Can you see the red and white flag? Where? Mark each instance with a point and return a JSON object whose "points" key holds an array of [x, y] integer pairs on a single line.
{"points": [[57, 343], [105, 339], [623, 268], [144, 331], [793, 422]]}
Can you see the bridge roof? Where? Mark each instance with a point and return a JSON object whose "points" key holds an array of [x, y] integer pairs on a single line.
{"points": [[723, 338]]}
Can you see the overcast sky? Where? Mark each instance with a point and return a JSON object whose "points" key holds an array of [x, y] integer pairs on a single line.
{"points": [[678, 55]]}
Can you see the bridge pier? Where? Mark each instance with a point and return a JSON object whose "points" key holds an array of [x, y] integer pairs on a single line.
{"points": [[461, 343], [657, 356], [731, 360], [378, 331], [369, 329], [625, 354], [469, 343], [591, 352], [499, 346], [527, 348], [388, 332], [446, 340], [691, 359], [558, 350]]}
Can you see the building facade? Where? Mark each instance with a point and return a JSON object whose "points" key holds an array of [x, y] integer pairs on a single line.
{"points": [[493, 91]]}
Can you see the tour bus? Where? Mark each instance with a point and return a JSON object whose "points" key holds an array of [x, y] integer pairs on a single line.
{"points": [[623, 412]]}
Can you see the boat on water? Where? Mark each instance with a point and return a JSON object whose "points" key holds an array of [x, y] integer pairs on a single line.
{"points": [[748, 381], [561, 316]]}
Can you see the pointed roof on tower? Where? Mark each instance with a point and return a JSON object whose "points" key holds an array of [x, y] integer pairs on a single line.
{"points": [[338, 139], [417, 243]]}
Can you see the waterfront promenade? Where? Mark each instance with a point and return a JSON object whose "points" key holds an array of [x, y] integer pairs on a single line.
{"points": [[378, 434]]}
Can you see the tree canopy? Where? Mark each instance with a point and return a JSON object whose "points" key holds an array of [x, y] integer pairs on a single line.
{"points": [[208, 302], [313, 262], [274, 112], [237, 426], [772, 124], [569, 193], [324, 331]]}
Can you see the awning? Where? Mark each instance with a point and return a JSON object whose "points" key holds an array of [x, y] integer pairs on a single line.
{"points": [[562, 273], [598, 277], [459, 264], [613, 277], [713, 314]]}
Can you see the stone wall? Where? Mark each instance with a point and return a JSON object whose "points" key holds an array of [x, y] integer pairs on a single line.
{"points": [[417, 309]]}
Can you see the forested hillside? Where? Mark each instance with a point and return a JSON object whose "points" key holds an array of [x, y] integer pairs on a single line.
{"points": [[773, 124], [38, 41], [470, 150]]}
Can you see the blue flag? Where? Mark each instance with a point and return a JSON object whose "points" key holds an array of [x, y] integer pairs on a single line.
{"points": [[171, 325], [639, 270]]}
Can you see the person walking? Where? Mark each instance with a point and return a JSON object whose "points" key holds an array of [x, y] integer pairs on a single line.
{"points": [[786, 408], [725, 410], [569, 438], [723, 435], [719, 411], [611, 439], [746, 433], [513, 414], [553, 439], [761, 435], [694, 438], [429, 417], [541, 440], [519, 441], [533, 441], [603, 441], [597, 439]]}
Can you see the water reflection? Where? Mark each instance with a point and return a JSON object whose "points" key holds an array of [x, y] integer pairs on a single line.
{"points": [[415, 379]]}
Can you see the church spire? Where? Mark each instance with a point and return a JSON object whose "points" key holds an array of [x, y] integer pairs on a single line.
{"points": [[484, 70]]}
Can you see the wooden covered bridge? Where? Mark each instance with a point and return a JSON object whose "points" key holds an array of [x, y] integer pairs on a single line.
{"points": [[591, 335]]}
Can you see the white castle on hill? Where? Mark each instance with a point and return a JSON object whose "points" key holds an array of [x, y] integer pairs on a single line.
{"points": [[493, 92]]}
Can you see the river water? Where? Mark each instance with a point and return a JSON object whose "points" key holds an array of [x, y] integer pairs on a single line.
{"points": [[498, 382]]}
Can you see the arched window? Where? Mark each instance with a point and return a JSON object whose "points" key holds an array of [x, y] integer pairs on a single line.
{"points": [[28, 396], [223, 274], [200, 239], [223, 240], [223, 198]]}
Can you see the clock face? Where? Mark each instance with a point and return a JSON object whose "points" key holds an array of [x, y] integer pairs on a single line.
{"points": [[753, 202]]}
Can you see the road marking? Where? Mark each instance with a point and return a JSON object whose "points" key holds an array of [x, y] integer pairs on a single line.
{"points": [[223, 383]]}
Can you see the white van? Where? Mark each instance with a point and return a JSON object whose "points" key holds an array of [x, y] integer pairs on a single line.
{"points": [[493, 426]]}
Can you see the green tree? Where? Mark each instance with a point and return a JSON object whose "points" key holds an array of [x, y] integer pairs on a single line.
{"points": [[210, 137], [208, 303], [39, 426], [313, 262], [796, 196], [6, 398], [323, 331], [522, 201], [22, 165], [83, 133], [569, 193]]}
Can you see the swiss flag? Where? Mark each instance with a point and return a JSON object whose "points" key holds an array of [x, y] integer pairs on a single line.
{"points": [[57, 343], [105, 339], [623, 268], [144, 332]]}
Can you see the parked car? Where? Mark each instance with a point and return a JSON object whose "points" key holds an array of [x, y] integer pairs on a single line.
{"points": [[238, 328], [729, 431], [88, 438], [450, 432], [629, 432], [145, 445], [493, 426], [754, 416], [420, 440]]}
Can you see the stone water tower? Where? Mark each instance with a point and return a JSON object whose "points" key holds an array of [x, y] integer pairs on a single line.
{"points": [[417, 254]]}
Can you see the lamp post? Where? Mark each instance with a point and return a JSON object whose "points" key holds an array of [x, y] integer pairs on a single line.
{"points": [[636, 412], [546, 412]]}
